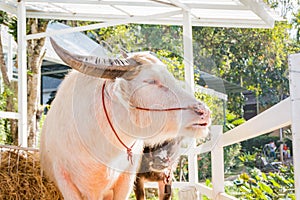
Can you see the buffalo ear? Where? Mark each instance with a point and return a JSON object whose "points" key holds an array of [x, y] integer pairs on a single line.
{"points": [[121, 88]]}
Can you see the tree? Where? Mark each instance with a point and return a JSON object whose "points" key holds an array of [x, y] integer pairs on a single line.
{"points": [[10, 88], [253, 58], [35, 55]]}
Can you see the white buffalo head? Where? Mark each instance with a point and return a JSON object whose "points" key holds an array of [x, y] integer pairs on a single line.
{"points": [[145, 100]]}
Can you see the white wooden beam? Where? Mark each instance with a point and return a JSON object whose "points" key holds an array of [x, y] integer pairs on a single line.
{"points": [[188, 50], [187, 6], [180, 5], [9, 115], [22, 74], [204, 190], [272, 119], [212, 22], [10, 57], [8, 8], [217, 163], [193, 165], [101, 25], [203, 148], [225, 196], [258, 8], [294, 64], [10, 147], [109, 3]]}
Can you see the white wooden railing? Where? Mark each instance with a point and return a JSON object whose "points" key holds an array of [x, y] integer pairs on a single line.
{"points": [[286, 112]]}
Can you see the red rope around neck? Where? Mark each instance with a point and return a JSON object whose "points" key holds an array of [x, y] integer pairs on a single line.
{"points": [[128, 149]]}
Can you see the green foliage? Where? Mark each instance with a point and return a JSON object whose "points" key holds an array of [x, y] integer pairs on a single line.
{"points": [[5, 133], [264, 186], [231, 154], [296, 24], [252, 58], [248, 159], [10, 21], [232, 121], [204, 164], [259, 142]]}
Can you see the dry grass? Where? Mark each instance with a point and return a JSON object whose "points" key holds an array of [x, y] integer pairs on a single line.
{"points": [[21, 178]]}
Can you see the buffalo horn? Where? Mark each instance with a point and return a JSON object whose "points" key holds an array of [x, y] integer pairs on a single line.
{"points": [[96, 66]]}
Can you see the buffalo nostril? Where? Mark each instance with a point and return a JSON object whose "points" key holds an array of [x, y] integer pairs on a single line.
{"points": [[201, 113]]}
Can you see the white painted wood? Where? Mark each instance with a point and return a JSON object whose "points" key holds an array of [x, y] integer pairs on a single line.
{"points": [[101, 25], [272, 119], [193, 165], [258, 9], [8, 8], [217, 163], [180, 5], [9, 115], [9, 147], [188, 50], [225, 196], [189, 192], [203, 148], [9, 64], [294, 65], [204, 190], [22, 75]]}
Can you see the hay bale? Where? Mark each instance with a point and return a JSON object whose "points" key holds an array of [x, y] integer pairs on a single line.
{"points": [[21, 178]]}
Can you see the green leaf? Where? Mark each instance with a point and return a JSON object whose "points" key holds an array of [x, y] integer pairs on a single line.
{"points": [[244, 177], [257, 177], [265, 188], [264, 176], [292, 196], [275, 184], [259, 193], [245, 189], [207, 182]]}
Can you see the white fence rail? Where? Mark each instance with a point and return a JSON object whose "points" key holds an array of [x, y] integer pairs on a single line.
{"points": [[286, 112]]}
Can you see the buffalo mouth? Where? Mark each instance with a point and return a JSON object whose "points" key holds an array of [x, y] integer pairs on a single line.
{"points": [[198, 125]]}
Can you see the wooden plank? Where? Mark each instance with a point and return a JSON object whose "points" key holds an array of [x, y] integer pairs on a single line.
{"points": [[294, 64], [9, 115], [272, 119]]}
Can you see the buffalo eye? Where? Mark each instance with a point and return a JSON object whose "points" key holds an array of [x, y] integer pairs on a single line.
{"points": [[152, 82], [157, 83]]}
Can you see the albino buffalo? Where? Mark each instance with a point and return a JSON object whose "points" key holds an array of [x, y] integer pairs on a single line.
{"points": [[105, 110]]}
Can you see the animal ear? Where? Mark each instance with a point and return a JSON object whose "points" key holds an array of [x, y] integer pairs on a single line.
{"points": [[120, 88]]}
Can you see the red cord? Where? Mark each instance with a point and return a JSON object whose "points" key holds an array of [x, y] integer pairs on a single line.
{"points": [[129, 149]]}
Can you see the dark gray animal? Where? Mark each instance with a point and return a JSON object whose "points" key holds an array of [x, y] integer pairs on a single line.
{"points": [[157, 165]]}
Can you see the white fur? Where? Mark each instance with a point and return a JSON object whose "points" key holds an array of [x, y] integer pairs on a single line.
{"points": [[80, 152]]}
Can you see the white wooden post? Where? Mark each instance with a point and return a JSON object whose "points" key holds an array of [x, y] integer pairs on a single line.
{"points": [[10, 57], [189, 78], [188, 50], [217, 162], [294, 66], [22, 74], [193, 165]]}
